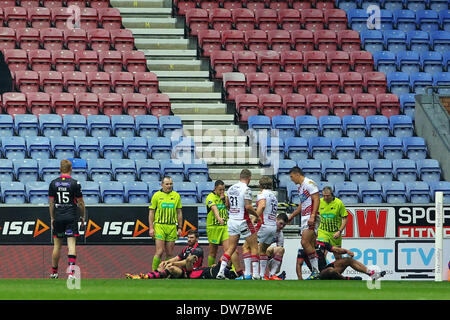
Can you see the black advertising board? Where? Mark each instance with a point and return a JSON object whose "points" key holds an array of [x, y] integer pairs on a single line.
{"points": [[419, 221]]}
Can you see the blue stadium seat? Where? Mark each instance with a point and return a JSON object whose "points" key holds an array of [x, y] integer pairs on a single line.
{"points": [[260, 127], [136, 192], [415, 148], [372, 40], [202, 218], [357, 170], [48, 169], [354, 126], [418, 41], [38, 147], [99, 125], [111, 147], [391, 148], [282, 174], [184, 149], [14, 147], [333, 170], [100, 170], [91, 192], [87, 147], [26, 125], [404, 170], [438, 5], [320, 148], [405, 20], [292, 193], [440, 41], [398, 82], [385, 61], [26, 170], [401, 126], [51, 125], [63, 147], [122, 126], [408, 62], [346, 4], [322, 184], [285, 126], [428, 170], [75, 125], [311, 168], [160, 148], [392, 5], [6, 125], [443, 186], [6, 170], [343, 148], [147, 126], [307, 126], [13, 192], [442, 79], [37, 192], [394, 192], [204, 189], [153, 187], [79, 169], [386, 18], [173, 169], [187, 191], [330, 126], [394, 41], [112, 192], [444, 19], [296, 148], [446, 61], [420, 81], [367, 148], [431, 62], [357, 19], [370, 192], [364, 4], [415, 5], [418, 192], [170, 126], [196, 171], [380, 170], [377, 126], [123, 169], [148, 170], [347, 192], [135, 147], [408, 104], [427, 20]]}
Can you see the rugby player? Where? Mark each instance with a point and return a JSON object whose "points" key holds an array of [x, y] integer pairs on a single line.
{"points": [[275, 252], [209, 272], [310, 220], [65, 197]]}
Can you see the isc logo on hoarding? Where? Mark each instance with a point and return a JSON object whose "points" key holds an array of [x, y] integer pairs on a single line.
{"points": [[31, 228], [115, 228]]}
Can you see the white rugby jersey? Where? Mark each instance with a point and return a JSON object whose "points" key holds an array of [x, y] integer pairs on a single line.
{"points": [[278, 239], [237, 194], [305, 190], [270, 211]]}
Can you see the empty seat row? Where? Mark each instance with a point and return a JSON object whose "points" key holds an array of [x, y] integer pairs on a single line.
{"points": [[41, 17], [412, 61], [86, 103], [72, 39], [55, 3], [403, 83], [413, 5]]}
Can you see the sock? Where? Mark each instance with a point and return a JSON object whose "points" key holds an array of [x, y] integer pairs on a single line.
{"points": [[72, 261], [211, 261], [240, 272], [223, 264], [247, 263], [255, 266], [156, 262], [262, 265], [276, 261], [314, 261], [158, 274], [54, 270]]}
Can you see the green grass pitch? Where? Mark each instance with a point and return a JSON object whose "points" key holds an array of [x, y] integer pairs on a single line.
{"points": [[168, 289]]}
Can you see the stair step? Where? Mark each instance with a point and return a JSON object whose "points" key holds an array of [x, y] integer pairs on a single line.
{"points": [[137, 4], [232, 173], [183, 75], [206, 118], [162, 44], [170, 54], [157, 33], [180, 96], [145, 12], [174, 65], [149, 23], [195, 108]]}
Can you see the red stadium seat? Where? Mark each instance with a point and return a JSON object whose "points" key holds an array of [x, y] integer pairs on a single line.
{"points": [[325, 40], [365, 104], [78, 3], [98, 82], [328, 83], [325, 4], [255, 4], [294, 104], [122, 82], [312, 19], [40, 60], [256, 40], [122, 39], [16, 59], [63, 60], [289, 19], [75, 82], [279, 4], [305, 83], [245, 61], [158, 104], [361, 61], [14, 103], [220, 19], [338, 61], [7, 38], [75, 39], [7, 3], [243, 19], [268, 61], [134, 61], [233, 40], [291, 61], [15, 17], [271, 105], [341, 104], [110, 103], [196, 20], [89, 18], [352, 82], [39, 18], [315, 61], [146, 82], [27, 81], [335, 19], [99, 39], [318, 105], [28, 38], [109, 18], [182, 6], [28, 3], [302, 4], [375, 82], [349, 40], [279, 40], [246, 105], [60, 17], [388, 104], [231, 4], [303, 40], [53, 3], [39, 103], [208, 41], [266, 19], [52, 39], [110, 61], [208, 4], [51, 81], [258, 83], [63, 103], [221, 62], [233, 83], [281, 83], [86, 103], [87, 61]]}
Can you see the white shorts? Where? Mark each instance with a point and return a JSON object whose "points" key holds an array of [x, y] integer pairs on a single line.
{"points": [[266, 233], [304, 224], [244, 228]]}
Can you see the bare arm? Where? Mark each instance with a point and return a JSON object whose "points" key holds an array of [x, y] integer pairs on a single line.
{"points": [[344, 224], [51, 208], [295, 213], [315, 204], [82, 206], [260, 208], [249, 207], [180, 221], [151, 220], [216, 214], [342, 251]]}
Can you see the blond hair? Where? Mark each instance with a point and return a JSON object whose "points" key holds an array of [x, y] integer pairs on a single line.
{"points": [[65, 166]]}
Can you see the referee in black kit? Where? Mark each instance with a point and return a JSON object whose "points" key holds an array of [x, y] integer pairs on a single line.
{"points": [[64, 198]]}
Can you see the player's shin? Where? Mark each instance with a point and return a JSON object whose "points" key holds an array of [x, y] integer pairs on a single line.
{"points": [[262, 265], [276, 262], [247, 257], [223, 265], [255, 267]]}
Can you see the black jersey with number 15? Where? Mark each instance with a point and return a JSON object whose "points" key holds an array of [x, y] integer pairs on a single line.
{"points": [[64, 190]]}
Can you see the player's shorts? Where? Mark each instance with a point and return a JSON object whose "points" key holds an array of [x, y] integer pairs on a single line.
{"points": [[65, 228], [166, 232], [217, 234], [327, 236], [266, 233], [244, 228], [304, 224]]}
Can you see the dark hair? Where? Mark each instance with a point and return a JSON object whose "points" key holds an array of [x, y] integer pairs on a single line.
{"points": [[194, 232], [245, 174], [166, 177], [330, 274], [219, 183], [266, 182], [296, 170], [283, 216], [329, 189]]}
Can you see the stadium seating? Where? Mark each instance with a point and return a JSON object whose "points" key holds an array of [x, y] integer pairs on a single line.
{"points": [[418, 192], [148, 170], [428, 170], [370, 192], [136, 192], [112, 192], [347, 192], [343, 148], [394, 192], [443, 186], [380, 170], [311, 168]]}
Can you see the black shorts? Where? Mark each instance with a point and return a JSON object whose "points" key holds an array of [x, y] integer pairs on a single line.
{"points": [[65, 228], [330, 265]]}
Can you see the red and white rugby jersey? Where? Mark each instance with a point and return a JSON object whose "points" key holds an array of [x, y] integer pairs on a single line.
{"points": [[305, 190], [237, 194], [270, 211]]}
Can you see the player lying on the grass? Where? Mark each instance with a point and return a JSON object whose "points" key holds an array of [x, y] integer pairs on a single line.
{"points": [[209, 272], [175, 267], [334, 270]]}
